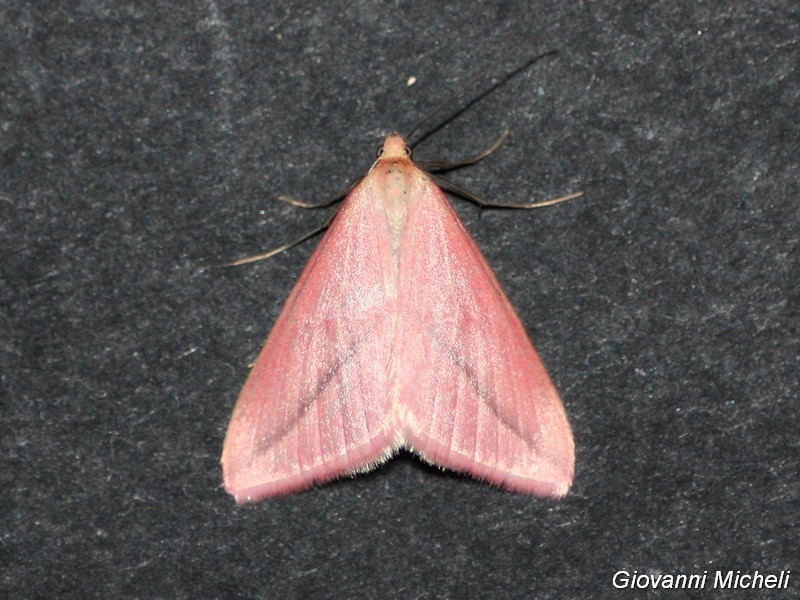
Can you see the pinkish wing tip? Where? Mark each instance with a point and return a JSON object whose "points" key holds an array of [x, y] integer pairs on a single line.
{"points": [[251, 485]]}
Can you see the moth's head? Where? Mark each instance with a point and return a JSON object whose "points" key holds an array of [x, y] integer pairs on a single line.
{"points": [[394, 147]]}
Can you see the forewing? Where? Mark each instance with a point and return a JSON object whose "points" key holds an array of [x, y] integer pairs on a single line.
{"points": [[476, 395], [315, 405]]}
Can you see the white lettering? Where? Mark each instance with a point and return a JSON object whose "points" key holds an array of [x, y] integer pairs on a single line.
{"points": [[748, 580], [666, 581], [621, 579], [754, 580], [719, 582]]}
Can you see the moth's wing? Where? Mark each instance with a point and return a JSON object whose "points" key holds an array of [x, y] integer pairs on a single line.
{"points": [[476, 395], [316, 405]]}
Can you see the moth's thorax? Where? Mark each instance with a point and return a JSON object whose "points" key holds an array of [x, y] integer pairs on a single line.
{"points": [[396, 180]]}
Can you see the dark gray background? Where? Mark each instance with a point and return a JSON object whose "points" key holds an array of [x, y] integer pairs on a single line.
{"points": [[142, 145]]}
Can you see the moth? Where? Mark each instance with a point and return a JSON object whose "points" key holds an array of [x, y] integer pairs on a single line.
{"points": [[397, 335]]}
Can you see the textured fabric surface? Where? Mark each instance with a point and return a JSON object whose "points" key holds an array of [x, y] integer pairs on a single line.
{"points": [[142, 147]]}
